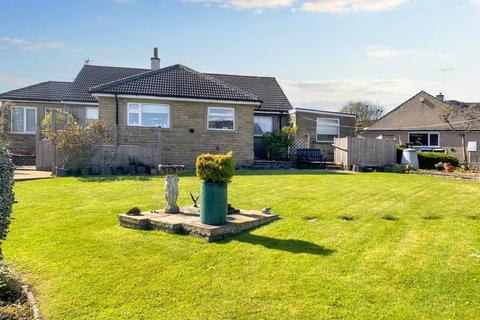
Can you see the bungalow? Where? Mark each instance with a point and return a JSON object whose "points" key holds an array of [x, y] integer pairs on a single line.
{"points": [[190, 112], [417, 122]]}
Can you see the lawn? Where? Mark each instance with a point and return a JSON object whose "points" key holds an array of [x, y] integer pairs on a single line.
{"points": [[348, 246]]}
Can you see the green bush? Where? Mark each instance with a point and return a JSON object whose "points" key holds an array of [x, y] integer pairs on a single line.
{"points": [[276, 143], [6, 190], [428, 160], [215, 168]]}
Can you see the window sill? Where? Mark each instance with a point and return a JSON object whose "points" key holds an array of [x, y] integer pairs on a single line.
{"points": [[24, 133]]}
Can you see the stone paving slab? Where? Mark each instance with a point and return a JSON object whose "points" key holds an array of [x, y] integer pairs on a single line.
{"points": [[27, 173], [188, 222]]}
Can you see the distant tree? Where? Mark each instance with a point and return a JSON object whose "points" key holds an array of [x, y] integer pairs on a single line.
{"points": [[367, 113], [460, 122]]}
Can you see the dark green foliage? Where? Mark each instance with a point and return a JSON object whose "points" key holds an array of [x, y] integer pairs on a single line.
{"points": [[6, 190], [134, 212], [215, 168], [428, 160], [276, 143]]}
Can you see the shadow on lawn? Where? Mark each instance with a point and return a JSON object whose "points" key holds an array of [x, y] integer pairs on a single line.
{"points": [[289, 172], [289, 245], [114, 178]]}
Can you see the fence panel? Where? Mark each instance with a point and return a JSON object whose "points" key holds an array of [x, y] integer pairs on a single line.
{"points": [[351, 151]]}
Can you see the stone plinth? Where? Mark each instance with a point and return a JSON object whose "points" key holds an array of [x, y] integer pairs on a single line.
{"points": [[188, 222]]}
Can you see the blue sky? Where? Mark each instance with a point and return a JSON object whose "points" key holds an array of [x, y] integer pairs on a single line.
{"points": [[323, 52]]}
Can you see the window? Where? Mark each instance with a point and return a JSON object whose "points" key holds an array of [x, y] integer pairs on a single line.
{"points": [[50, 110], [221, 118], [24, 119], [262, 125], [148, 115], [327, 129], [424, 139], [91, 114]]}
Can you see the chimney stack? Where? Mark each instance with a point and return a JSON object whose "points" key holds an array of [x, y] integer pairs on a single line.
{"points": [[440, 96], [155, 60]]}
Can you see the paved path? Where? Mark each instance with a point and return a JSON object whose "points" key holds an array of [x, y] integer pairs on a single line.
{"points": [[29, 173]]}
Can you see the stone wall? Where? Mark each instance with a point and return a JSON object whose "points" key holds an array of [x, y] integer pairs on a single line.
{"points": [[188, 135]]}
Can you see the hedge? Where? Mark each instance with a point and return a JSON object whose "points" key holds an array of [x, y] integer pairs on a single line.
{"points": [[6, 190], [427, 160]]}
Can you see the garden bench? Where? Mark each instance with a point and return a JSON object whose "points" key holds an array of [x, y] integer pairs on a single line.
{"points": [[310, 156]]}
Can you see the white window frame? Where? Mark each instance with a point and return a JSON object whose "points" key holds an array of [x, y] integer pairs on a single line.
{"points": [[259, 135], [140, 113], [427, 133], [316, 129], [92, 108], [217, 129], [24, 120]]}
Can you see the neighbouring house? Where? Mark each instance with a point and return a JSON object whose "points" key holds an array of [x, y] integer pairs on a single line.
{"points": [[417, 122], [179, 111], [318, 128]]}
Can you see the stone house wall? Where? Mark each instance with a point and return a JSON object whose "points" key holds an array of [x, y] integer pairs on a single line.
{"points": [[188, 135]]}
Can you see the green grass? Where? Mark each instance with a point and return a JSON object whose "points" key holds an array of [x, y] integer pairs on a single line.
{"points": [[314, 263]]}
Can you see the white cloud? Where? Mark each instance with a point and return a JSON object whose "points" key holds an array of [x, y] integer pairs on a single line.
{"points": [[10, 81], [26, 45], [336, 6], [247, 4], [340, 6], [333, 94], [382, 52]]}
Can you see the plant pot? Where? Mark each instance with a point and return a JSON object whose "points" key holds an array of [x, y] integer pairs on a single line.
{"points": [[85, 172], [132, 169], [153, 171], [214, 204], [120, 171], [450, 169], [61, 172], [106, 171], [141, 170]]}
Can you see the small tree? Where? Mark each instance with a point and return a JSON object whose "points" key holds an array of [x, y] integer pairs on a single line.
{"points": [[459, 120], [367, 113], [277, 143], [74, 143], [6, 191]]}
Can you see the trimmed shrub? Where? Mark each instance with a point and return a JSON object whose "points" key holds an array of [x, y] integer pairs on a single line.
{"points": [[6, 190], [428, 160], [215, 168]]}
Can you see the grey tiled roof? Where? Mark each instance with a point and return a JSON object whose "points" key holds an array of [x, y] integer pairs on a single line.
{"points": [[45, 91], [176, 81], [91, 76], [266, 88]]}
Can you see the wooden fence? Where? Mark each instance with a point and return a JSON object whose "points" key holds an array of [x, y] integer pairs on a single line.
{"points": [[351, 151], [117, 156]]}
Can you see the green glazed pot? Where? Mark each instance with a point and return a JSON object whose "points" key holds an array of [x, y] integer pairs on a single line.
{"points": [[213, 203]]}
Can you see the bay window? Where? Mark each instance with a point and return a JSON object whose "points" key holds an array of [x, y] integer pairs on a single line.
{"points": [[327, 129], [220, 118], [24, 119], [262, 125], [148, 115]]}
